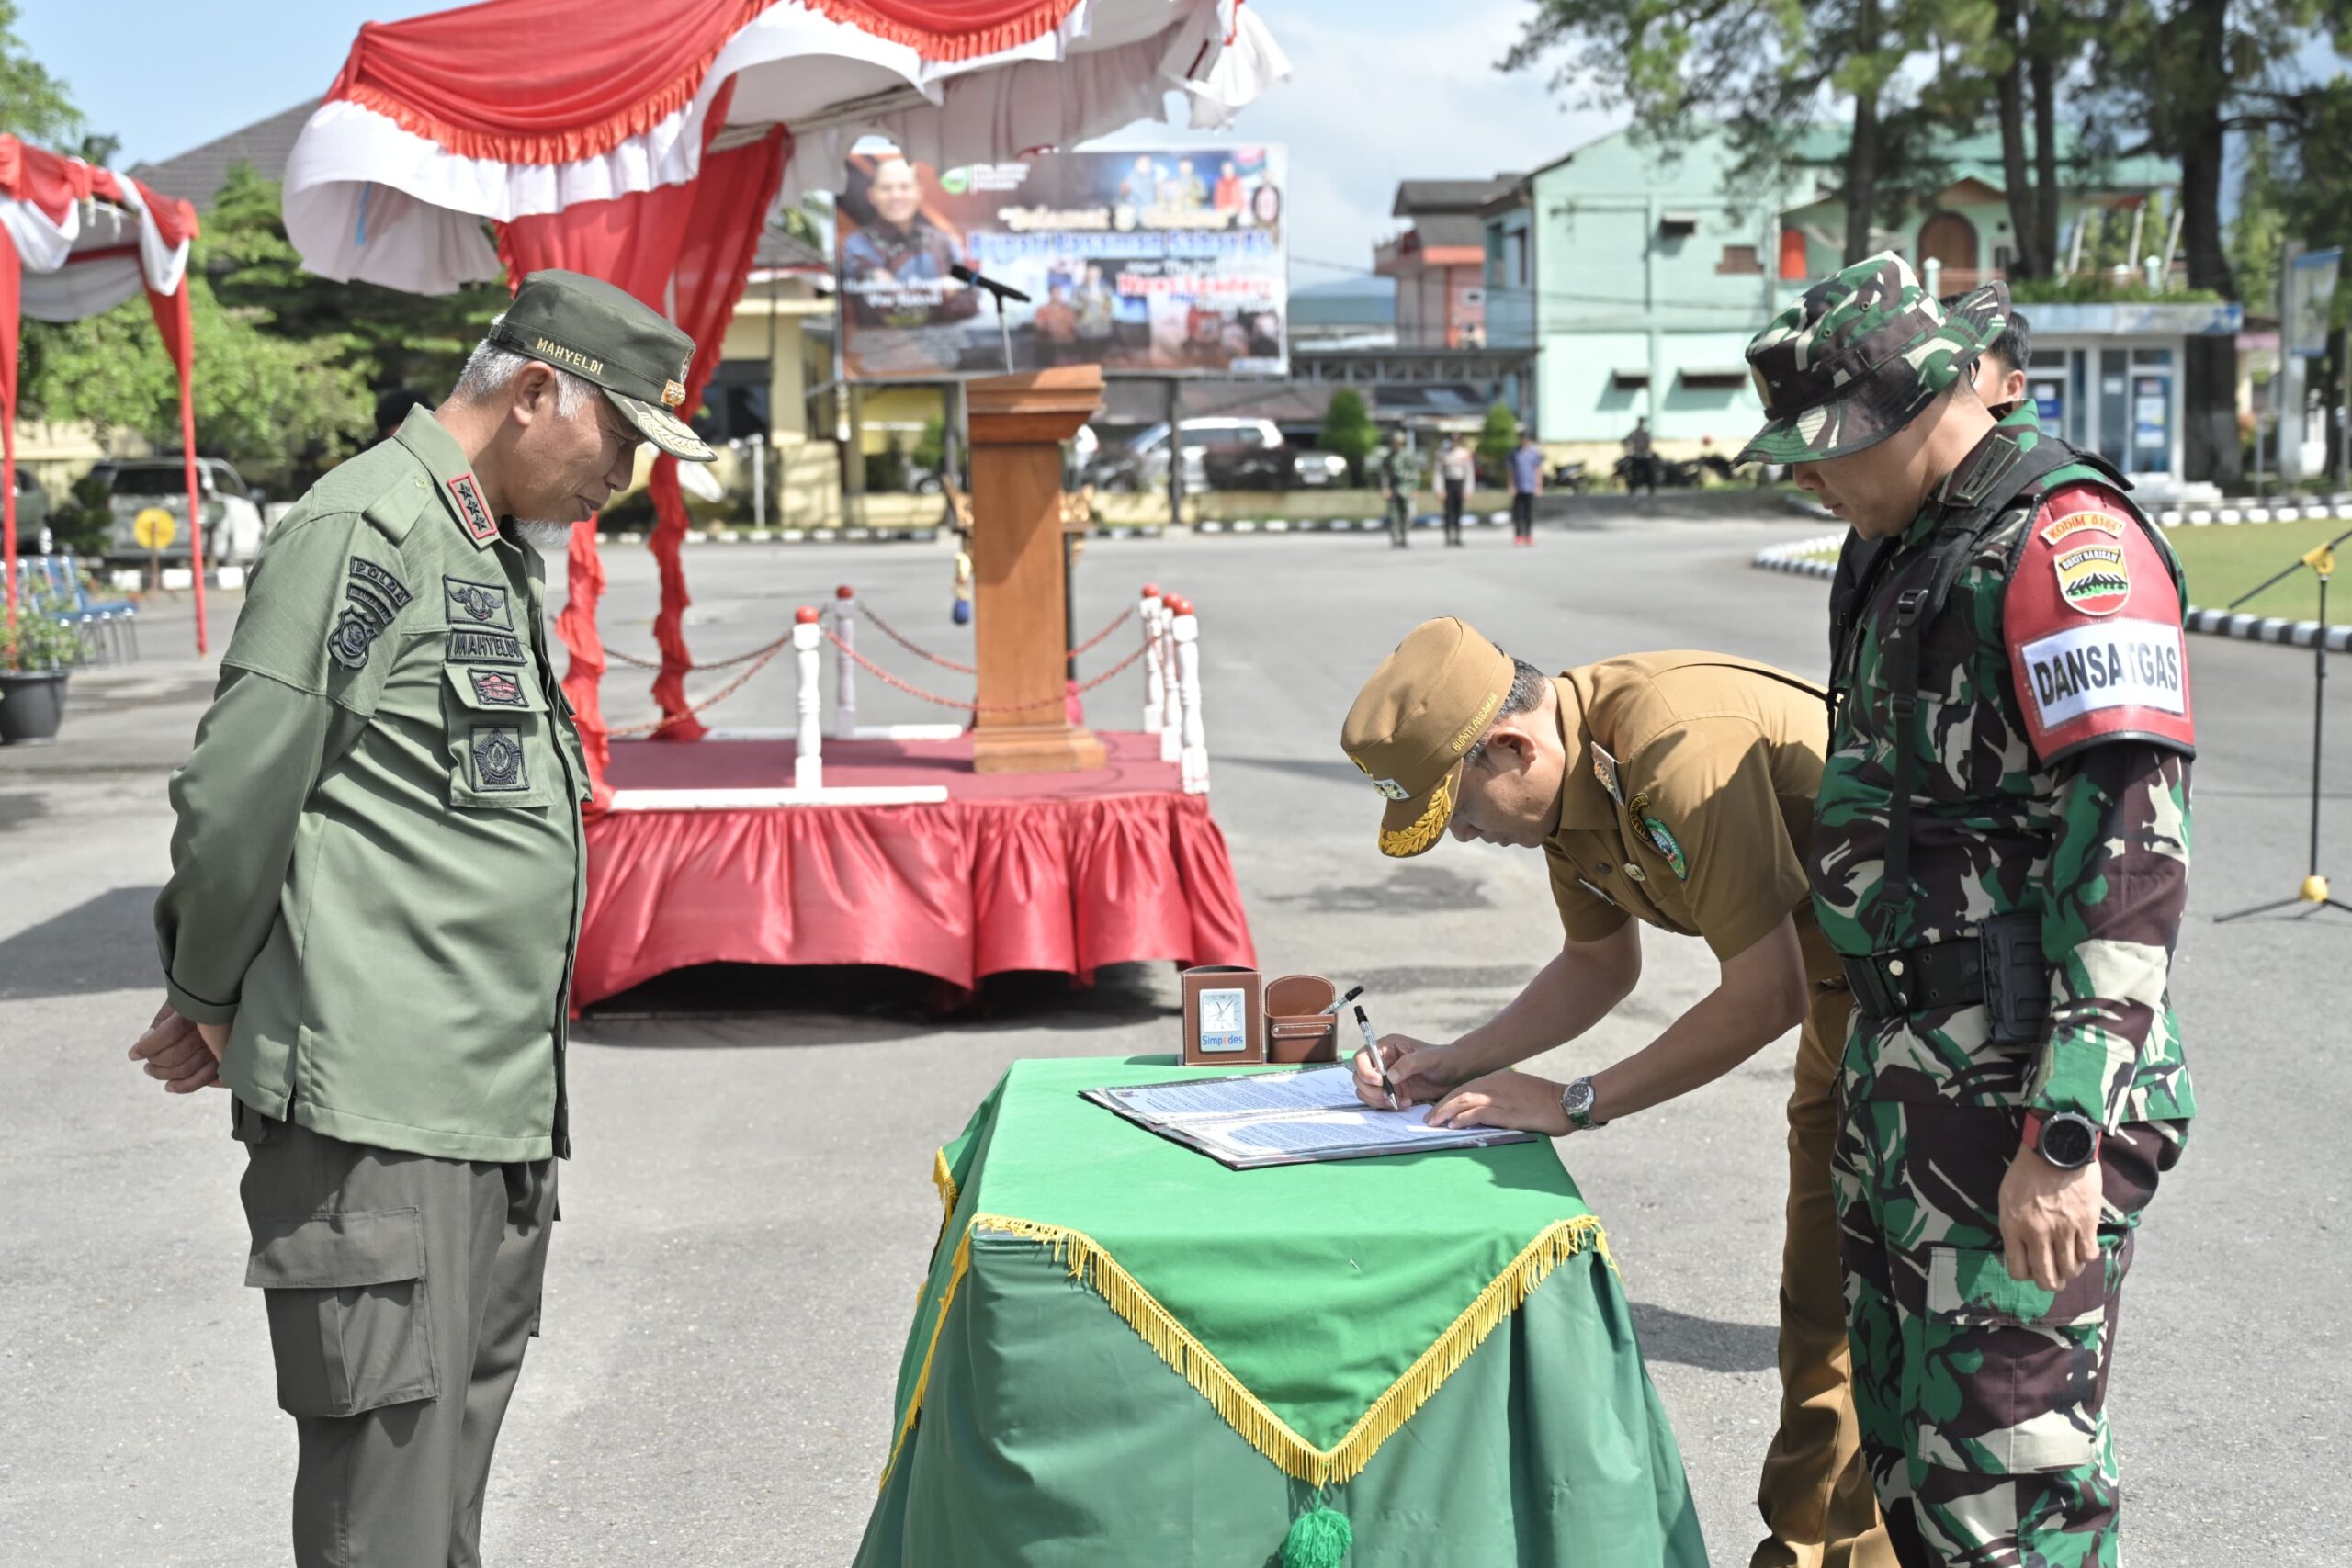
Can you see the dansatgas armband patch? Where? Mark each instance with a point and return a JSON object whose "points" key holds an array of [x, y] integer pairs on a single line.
{"points": [[2094, 631]]}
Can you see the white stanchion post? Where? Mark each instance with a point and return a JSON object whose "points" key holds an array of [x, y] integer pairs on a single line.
{"points": [[1194, 760], [808, 757], [845, 668], [1154, 688], [1171, 709]]}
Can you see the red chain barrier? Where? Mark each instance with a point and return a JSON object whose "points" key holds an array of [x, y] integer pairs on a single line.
{"points": [[886, 629], [700, 669], [889, 679], [717, 697]]}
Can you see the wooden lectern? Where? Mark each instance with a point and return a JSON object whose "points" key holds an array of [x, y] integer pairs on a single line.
{"points": [[1018, 424]]}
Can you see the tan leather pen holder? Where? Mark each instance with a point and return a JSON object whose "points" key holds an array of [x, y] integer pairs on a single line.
{"points": [[1296, 1032]]}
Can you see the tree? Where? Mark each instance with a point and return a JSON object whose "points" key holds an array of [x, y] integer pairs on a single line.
{"points": [[1497, 437], [2258, 232], [1766, 73], [1347, 430], [33, 104], [394, 338]]}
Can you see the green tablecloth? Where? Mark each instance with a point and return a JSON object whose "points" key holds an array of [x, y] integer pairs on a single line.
{"points": [[1434, 1344]]}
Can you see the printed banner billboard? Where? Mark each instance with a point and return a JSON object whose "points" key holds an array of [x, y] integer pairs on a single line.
{"points": [[1146, 263], [2311, 296]]}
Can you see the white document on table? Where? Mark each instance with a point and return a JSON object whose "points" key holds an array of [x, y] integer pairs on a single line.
{"points": [[1261, 1119]]}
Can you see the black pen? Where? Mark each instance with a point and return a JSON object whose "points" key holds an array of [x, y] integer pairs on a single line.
{"points": [[1353, 992], [1374, 1046]]}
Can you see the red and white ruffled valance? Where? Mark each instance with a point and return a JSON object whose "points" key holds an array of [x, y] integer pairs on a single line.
{"points": [[439, 123], [89, 238]]}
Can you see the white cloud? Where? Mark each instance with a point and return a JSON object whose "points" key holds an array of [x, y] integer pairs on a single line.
{"points": [[1367, 106]]}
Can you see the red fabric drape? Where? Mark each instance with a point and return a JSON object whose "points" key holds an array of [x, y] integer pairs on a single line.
{"points": [[959, 891], [685, 251], [12, 270], [713, 264], [612, 77], [171, 313]]}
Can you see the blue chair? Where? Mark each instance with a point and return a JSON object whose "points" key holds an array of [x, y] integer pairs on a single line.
{"points": [[118, 617]]}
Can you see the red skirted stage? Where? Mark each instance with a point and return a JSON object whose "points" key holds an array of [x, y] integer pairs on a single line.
{"points": [[1065, 872]]}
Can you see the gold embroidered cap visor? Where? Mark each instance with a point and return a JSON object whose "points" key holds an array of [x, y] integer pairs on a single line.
{"points": [[1422, 710], [608, 337]]}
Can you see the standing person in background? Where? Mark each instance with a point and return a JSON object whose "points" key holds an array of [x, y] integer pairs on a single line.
{"points": [[1228, 197], [1397, 489], [1526, 484], [392, 408], [1453, 471], [1642, 470]]}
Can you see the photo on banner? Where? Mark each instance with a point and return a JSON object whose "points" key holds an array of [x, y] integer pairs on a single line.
{"points": [[1167, 263]]}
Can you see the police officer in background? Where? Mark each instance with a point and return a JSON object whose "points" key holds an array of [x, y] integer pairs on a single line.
{"points": [[2000, 855], [376, 892], [1671, 790]]}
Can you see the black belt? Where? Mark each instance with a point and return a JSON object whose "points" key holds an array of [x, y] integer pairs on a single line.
{"points": [[1918, 979]]}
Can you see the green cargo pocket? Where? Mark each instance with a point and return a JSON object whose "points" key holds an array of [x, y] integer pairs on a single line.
{"points": [[2012, 1377], [498, 751], [350, 1323]]}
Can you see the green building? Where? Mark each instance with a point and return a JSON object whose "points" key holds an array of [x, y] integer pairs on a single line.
{"points": [[1639, 277]]}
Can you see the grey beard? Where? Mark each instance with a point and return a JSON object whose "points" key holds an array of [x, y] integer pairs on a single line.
{"points": [[548, 538]]}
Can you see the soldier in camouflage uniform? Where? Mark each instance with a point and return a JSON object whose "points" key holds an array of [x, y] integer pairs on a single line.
{"points": [[2000, 855]]}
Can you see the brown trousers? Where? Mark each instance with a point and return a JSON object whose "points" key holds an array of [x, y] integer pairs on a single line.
{"points": [[1816, 1496]]}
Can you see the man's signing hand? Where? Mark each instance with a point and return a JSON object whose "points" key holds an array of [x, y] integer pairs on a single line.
{"points": [[184, 1054], [1420, 1071]]}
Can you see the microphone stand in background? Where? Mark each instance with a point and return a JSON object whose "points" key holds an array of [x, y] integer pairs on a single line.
{"points": [[1000, 292]]}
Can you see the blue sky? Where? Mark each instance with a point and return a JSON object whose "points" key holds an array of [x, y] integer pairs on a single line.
{"points": [[1384, 91]]}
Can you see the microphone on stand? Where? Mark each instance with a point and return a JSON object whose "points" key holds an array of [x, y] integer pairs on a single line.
{"points": [[1003, 291]]}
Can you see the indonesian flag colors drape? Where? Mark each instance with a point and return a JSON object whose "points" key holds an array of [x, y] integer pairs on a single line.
{"points": [[75, 241], [685, 251], [652, 157]]}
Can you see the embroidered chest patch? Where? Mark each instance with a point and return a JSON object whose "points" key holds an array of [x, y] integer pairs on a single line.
{"points": [[497, 688], [482, 602], [473, 516], [497, 756], [484, 648]]}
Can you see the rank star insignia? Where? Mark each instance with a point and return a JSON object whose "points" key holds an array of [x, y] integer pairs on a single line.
{"points": [[1666, 845], [473, 515], [1392, 789]]}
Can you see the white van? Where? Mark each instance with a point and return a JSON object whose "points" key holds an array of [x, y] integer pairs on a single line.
{"points": [[231, 516]]}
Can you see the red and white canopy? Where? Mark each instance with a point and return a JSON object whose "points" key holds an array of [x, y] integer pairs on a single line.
{"points": [[648, 145], [518, 109], [76, 240]]}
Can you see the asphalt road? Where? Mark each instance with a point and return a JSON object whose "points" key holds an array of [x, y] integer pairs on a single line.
{"points": [[750, 1202]]}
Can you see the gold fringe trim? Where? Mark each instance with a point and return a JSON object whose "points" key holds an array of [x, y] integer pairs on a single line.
{"points": [[1094, 1266], [1412, 841], [944, 1179]]}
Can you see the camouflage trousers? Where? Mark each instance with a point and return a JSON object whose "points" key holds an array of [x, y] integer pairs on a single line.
{"points": [[1981, 1398]]}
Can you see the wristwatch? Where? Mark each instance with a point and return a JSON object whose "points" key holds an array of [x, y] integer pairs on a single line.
{"points": [[1576, 1103], [2068, 1140]]}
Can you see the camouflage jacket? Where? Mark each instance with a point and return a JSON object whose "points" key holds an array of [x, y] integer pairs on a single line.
{"points": [[2072, 805]]}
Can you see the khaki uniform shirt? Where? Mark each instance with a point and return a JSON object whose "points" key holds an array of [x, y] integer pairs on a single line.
{"points": [[1687, 800], [378, 868]]}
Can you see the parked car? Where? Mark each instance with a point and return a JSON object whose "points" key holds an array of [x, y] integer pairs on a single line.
{"points": [[231, 511], [1250, 454]]}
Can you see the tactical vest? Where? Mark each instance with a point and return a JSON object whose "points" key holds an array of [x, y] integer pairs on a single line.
{"points": [[2001, 477]]}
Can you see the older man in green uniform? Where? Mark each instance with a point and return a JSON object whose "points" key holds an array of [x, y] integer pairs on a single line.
{"points": [[377, 884]]}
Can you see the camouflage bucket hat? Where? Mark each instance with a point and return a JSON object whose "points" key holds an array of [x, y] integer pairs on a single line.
{"points": [[1853, 360]]}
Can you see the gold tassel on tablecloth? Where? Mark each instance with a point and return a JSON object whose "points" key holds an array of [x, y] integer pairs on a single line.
{"points": [[1094, 1266]]}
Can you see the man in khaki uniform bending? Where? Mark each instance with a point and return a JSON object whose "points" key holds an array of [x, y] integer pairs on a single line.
{"points": [[1675, 789]]}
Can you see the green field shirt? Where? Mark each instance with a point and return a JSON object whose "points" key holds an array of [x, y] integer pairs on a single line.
{"points": [[377, 869]]}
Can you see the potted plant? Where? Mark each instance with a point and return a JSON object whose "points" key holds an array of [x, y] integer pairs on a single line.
{"points": [[35, 654]]}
